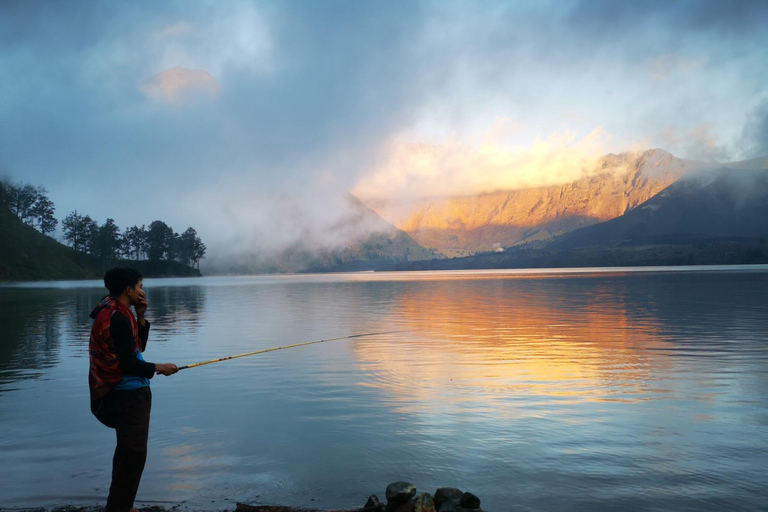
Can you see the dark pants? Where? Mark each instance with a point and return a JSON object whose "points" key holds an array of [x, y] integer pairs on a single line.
{"points": [[128, 413]]}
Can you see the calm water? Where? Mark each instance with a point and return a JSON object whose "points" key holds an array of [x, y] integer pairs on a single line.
{"points": [[537, 391]]}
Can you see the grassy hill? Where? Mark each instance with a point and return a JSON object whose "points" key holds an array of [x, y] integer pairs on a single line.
{"points": [[27, 255]]}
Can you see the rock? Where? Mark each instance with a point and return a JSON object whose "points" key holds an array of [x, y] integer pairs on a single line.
{"points": [[406, 506], [444, 494], [241, 507], [398, 492], [470, 501], [462, 509], [449, 506], [424, 503], [373, 501]]}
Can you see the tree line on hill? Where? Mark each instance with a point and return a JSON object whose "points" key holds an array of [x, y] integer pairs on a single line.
{"points": [[30, 204], [156, 242]]}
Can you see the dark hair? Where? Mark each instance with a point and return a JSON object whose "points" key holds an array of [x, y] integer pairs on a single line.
{"points": [[119, 278]]}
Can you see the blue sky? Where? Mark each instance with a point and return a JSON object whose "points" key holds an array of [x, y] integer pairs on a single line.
{"points": [[208, 111]]}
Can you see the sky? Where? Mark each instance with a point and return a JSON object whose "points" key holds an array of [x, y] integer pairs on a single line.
{"points": [[250, 120]]}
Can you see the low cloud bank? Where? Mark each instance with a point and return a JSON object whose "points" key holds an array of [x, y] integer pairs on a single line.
{"points": [[413, 169]]}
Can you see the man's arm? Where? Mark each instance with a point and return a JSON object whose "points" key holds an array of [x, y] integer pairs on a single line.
{"points": [[141, 309], [143, 333], [122, 334]]}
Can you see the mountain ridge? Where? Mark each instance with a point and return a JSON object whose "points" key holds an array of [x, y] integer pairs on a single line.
{"points": [[710, 217], [713, 204], [462, 225]]}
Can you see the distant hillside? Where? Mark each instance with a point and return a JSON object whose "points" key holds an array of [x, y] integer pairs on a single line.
{"points": [[647, 208], [26, 254], [711, 252], [369, 242], [725, 203], [377, 243], [458, 226], [713, 217], [749, 165]]}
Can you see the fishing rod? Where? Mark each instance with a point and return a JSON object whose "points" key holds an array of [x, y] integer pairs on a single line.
{"points": [[273, 349]]}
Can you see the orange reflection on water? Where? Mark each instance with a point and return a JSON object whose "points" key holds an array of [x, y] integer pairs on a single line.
{"points": [[186, 460], [516, 340]]}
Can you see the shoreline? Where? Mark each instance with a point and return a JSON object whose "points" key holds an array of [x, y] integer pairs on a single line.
{"points": [[400, 497], [410, 271], [179, 507]]}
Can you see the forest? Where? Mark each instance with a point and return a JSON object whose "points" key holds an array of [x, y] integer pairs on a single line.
{"points": [[106, 241]]}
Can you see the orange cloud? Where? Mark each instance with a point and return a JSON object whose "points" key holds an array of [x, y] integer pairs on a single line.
{"points": [[414, 169], [178, 84]]}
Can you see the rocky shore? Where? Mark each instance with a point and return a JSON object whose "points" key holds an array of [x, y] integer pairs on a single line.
{"points": [[399, 497]]}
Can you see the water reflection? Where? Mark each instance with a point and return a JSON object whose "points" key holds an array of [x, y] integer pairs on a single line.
{"points": [[38, 321], [493, 341], [574, 336], [631, 391], [30, 334], [175, 310]]}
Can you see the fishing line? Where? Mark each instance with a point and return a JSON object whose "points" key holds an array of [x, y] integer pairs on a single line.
{"points": [[273, 349]]}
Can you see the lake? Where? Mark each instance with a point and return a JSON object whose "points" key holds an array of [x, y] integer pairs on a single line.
{"points": [[588, 389]]}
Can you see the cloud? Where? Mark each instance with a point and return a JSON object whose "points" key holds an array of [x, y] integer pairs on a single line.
{"points": [[665, 66], [700, 142], [413, 169], [178, 84], [177, 29], [298, 99], [754, 138], [244, 225], [221, 40]]}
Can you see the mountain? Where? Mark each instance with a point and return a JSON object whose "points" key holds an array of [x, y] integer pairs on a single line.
{"points": [[376, 242], [727, 203], [703, 252], [707, 217], [458, 226], [359, 240], [753, 164]]}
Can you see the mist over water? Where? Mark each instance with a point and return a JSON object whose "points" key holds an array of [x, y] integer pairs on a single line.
{"points": [[537, 391]]}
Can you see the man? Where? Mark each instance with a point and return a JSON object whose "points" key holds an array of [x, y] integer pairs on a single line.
{"points": [[119, 379]]}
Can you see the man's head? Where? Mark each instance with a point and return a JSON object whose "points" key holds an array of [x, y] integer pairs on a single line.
{"points": [[123, 280]]}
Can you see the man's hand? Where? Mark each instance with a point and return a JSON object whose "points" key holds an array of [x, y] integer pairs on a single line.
{"points": [[166, 368], [141, 307]]}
